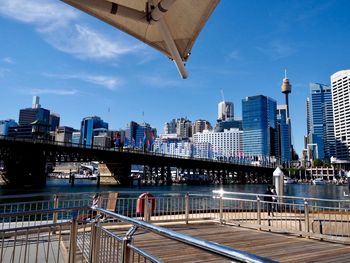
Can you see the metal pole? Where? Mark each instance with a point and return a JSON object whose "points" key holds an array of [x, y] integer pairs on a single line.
{"points": [[258, 208], [73, 238], [221, 209], [95, 241], [146, 215], [307, 218], [187, 207], [55, 215], [170, 44]]}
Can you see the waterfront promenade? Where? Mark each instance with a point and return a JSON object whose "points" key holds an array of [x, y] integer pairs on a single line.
{"points": [[220, 227]]}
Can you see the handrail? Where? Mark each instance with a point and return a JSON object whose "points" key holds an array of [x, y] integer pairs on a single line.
{"points": [[222, 192], [221, 250], [46, 211]]}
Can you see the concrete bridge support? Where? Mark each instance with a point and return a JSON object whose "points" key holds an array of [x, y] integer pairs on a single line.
{"points": [[118, 173], [25, 168]]}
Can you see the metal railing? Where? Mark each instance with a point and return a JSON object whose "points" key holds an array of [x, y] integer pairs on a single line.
{"points": [[88, 239], [309, 217]]}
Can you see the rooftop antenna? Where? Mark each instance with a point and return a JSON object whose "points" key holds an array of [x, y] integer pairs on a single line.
{"points": [[222, 95], [285, 73]]}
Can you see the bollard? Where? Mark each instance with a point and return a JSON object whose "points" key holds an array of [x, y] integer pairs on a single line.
{"points": [[278, 181]]}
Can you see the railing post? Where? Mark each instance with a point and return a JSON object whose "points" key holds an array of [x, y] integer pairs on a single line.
{"points": [[258, 210], [221, 209], [73, 238], [187, 207], [126, 252], [307, 218], [146, 210], [95, 241], [55, 215]]}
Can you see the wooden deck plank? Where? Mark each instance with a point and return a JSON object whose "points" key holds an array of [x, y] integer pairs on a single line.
{"points": [[280, 247]]}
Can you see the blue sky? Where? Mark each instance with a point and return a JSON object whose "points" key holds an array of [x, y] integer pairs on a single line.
{"points": [[80, 66]]}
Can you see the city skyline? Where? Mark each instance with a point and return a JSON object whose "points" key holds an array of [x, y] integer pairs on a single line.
{"points": [[81, 67]]}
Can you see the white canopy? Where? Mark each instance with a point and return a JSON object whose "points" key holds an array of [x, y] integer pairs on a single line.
{"points": [[170, 26]]}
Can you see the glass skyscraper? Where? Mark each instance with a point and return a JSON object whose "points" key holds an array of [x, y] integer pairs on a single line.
{"points": [[88, 125], [283, 130], [321, 127], [259, 126]]}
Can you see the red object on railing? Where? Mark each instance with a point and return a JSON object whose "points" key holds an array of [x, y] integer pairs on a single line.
{"points": [[140, 205]]}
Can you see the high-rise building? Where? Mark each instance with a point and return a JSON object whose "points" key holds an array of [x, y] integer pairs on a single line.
{"points": [[35, 113], [88, 125], [183, 128], [200, 126], [341, 112], [170, 127], [223, 144], [225, 110], [5, 125], [320, 122], [259, 126], [64, 134], [54, 121], [283, 132], [140, 135], [35, 103]]}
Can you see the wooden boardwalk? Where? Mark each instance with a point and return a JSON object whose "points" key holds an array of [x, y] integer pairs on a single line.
{"points": [[279, 247]]}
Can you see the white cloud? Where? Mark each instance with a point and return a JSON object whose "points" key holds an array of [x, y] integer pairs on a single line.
{"points": [[108, 82], [278, 49], [8, 60], [3, 72], [60, 26], [62, 92], [234, 55], [85, 43]]}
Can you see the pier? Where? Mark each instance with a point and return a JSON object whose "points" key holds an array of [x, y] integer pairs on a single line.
{"points": [[218, 227]]}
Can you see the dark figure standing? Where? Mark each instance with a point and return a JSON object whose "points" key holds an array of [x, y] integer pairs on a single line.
{"points": [[268, 198]]}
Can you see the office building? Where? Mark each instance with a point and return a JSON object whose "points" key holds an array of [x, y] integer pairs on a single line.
{"points": [[76, 137], [223, 144], [225, 110], [5, 125], [320, 122], [140, 135], [340, 82], [88, 126], [170, 127], [64, 134], [200, 126], [259, 126], [54, 121], [36, 113], [283, 134]]}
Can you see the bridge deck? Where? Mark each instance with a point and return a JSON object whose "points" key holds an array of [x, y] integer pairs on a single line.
{"points": [[280, 247]]}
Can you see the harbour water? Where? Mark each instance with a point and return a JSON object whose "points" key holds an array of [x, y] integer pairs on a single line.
{"points": [[326, 191]]}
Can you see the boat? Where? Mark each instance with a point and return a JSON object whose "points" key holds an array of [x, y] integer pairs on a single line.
{"points": [[288, 180], [318, 181]]}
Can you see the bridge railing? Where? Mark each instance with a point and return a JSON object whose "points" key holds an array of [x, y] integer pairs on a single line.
{"points": [[228, 160]]}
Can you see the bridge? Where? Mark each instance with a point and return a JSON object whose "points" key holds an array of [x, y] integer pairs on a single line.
{"points": [[25, 163]]}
